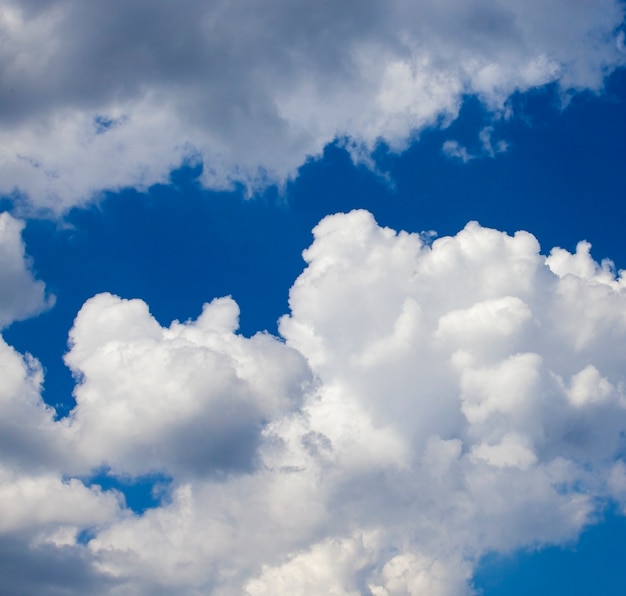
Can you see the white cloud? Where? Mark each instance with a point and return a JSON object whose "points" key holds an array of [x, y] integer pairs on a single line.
{"points": [[29, 438], [105, 96], [46, 500], [430, 404], [485, 136], [452, 148], [44, 512], [21, 295], [190, 397]]}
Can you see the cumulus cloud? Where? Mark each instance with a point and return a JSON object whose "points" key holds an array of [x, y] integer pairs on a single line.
{"points": [[101, 96], [21, 295], [29, 439], [428, 404], [190, 397], [44, 510]]}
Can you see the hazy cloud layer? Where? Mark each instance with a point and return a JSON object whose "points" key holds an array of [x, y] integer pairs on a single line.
{"points": [[105, 95], [430, 404]]}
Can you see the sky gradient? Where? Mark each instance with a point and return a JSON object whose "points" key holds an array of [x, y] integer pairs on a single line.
{"points": [[313, 298]]}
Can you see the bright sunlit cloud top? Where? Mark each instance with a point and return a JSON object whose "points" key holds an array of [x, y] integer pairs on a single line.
{"points": [[431, 404]]}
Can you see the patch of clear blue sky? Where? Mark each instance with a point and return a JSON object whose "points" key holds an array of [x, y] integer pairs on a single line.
{"points": [[140, 493], [178, 246], [594, 565]]}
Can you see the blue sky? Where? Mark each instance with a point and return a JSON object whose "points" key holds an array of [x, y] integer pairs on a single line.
{"points": [[253, 343]]}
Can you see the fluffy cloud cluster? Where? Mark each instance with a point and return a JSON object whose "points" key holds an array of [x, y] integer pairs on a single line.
{"points": [[193, 397], [430, 403], [98, 96]]}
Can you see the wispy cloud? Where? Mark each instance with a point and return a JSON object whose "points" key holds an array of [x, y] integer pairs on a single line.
{"points": [[488, 148]]}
